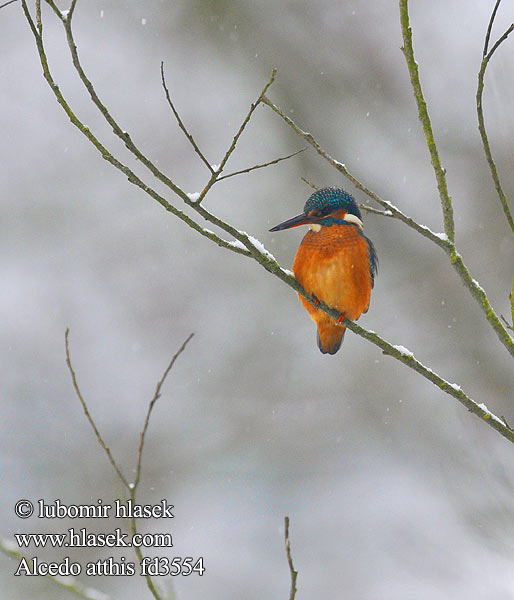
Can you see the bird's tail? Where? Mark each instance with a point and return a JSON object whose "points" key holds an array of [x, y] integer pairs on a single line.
{"points": [[330, 336]]}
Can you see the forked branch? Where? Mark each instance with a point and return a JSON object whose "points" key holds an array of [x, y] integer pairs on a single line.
{"points": [[232, 146], [131, 488], [480, 114]]}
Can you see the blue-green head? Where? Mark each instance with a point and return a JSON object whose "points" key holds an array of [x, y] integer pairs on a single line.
{"points": [[329, 200], [326, 207]]}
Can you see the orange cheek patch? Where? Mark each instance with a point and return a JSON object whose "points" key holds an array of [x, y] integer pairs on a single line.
{"points": [[339, 214]]}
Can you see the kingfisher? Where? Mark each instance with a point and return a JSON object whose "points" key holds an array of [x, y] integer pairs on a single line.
{"points": [[335, 263]]}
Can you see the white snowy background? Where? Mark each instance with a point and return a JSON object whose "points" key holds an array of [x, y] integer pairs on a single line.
{"points": [[393, 489]]}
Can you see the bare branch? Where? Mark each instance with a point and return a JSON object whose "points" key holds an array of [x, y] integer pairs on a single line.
{"points": [[88, 415], [39, 22], [131, 487], [375, 211], [489, 27], [440, 173], [500, 40], [271, 162], [181, 124], [199, 152], [481, 122], [511, 297], [232, 146], [310, 184], [294, 573], [56, 10], [507, 324], [7, 3], [117, 130], [72, 9], [156, 396]]}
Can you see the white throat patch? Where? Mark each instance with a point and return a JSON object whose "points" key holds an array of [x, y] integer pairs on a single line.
{"points": [[315, 226]]}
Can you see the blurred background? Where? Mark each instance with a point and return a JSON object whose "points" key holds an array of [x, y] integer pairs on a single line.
{"points": [[393, 489]]}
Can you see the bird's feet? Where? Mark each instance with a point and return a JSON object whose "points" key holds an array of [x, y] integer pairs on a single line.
{"points": [[316, 301], [341, 318]]}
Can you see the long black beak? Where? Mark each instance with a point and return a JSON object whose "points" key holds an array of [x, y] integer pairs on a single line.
{"points": [[302, 219]]}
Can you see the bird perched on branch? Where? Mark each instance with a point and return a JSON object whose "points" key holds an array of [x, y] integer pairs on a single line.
{"points": [[335, 263]]}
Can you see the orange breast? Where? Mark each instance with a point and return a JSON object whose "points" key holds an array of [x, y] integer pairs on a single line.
{"points": [[333, 264]]}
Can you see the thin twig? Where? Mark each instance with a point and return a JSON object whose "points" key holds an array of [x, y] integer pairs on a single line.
{"points": [[133, 487], [71, 10], [292, 570], [261, 166], [440, 173], [156, 396], [507, 324], [499, 41], [376, 211], [39, 22], [489, 27], [7, 3], [181, 123], [69, 583], [481, 122], [88, 415], [232, 146], [199, 152], [310, 184], [511, 297], [505, 421], [117, 130]]}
